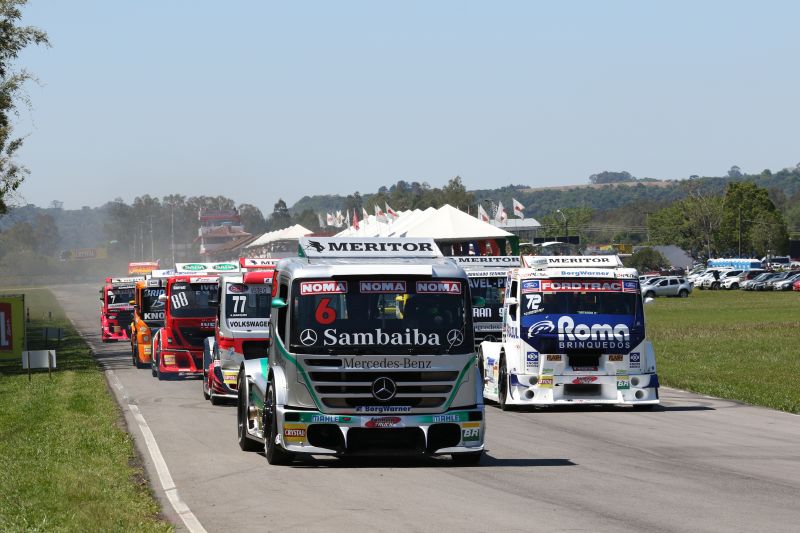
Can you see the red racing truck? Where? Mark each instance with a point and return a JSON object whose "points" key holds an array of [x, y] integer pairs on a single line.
{"points": [[189, 317], [116, 310]]}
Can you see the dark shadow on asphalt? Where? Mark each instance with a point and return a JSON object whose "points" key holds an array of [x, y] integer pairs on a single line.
{"points": [[420, 462]]}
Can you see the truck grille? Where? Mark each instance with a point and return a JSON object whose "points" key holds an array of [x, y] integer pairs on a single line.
{"points": [[347, 389], [584, 359]]}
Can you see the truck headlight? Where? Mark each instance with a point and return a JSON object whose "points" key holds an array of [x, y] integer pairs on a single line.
{"points": [[145, 338]]}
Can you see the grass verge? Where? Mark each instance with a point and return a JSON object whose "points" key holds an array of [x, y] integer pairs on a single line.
{"points": [[731, 344], [67, 465]]}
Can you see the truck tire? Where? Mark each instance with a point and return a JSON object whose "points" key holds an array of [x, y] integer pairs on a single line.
{"points": [[502, 384], [154, 364], [206, 390], [683, 293], [245, 443], [275, 453], [467, 459]]}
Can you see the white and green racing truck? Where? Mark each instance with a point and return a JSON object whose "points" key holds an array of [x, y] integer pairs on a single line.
{"points": [[372, 353]]}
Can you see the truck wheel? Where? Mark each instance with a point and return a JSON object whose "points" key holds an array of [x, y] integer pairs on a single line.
{"points": [[467, 459], [276, 455], [206, 389], [215, 400], [133, 355], [502, 385], [683, 293], [245, 443], [154, 364]]}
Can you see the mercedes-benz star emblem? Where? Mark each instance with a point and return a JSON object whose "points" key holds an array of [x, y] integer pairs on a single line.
{"points": [[384, 389], [308, 337], [455, 337]]}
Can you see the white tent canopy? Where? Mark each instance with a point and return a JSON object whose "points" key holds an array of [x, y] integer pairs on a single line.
{"points": [[292, 232]]}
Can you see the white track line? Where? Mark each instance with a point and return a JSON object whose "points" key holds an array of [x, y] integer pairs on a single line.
{"points": [[187, 516]]}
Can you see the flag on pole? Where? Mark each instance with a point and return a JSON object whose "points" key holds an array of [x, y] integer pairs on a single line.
{"points": [[355, 219], [339, 219], [483, 216], [380, 216], [347, 220], [501, 216], [518, 208], [391, 212], [330, 220], [320, 220], [365, 215]]}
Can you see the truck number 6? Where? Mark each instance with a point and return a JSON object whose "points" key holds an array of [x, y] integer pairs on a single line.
{"points": [[325, 314]]}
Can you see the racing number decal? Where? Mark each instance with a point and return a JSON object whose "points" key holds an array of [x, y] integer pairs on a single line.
{"points": [[532, 302], [325, 314], [239, 302], [179, 300]]}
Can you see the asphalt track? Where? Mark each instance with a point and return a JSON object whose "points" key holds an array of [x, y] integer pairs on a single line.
{"points": [[694, 464]]}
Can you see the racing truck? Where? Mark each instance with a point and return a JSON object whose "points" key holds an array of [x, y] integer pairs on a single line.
{"points": [[487, 283], [573, 332], [116, 311], [148, 317], [372, 353], [242, 330]]}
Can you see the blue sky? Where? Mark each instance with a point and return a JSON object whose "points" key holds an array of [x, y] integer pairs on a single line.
{"points": [[260, 100]]}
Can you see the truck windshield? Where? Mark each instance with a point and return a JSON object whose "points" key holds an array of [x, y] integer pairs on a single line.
{"points": [[487, 298], [118, 296], [390, 315], [152, 308], [561, 315], [189, 300], [247, 301]]}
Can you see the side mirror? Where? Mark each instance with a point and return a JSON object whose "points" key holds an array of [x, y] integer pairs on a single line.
{"points": [[132, 302], [162, 298], [511, 300], [278, 303], [478, 301]]}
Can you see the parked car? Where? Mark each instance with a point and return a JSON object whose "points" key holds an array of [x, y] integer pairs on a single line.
{"points": [[786, 283], [710, 274], [770, 283], [669, 286], [762, 285], [715, 282], [749, 285], [735, 282], [796, 286]]}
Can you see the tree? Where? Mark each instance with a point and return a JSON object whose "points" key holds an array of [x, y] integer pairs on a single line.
{"points": [[280, 217], [13, 39], [750, 221], [647, 259], [252, 219], [735, 172], [455, 194], [45, 235], [611, 177]]}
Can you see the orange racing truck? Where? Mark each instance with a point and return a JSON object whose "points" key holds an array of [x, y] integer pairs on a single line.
{"points": [[148, 316]]}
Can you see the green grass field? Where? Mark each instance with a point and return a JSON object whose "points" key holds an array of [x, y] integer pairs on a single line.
{"points": [[731, 344], [66, 462]]}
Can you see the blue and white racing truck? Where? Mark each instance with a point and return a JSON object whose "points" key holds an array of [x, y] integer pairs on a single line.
{"points": [[372, 352], [573, 332]]}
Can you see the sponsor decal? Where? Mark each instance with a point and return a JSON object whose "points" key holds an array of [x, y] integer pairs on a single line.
{"points": [[439, 287], [471, 432], [158, 315], [294, 432], [584, 380], [489, 374], [584, 336], [208, 325], [547, 371], [209, 281], [583, 260], [330, 419], [560, 273], [531, 361], [308, 288], [193, 267], [247, 262], [248, 323], [446, 418], [363, 363], [501, 260], [615, 358], [224, 267], [486, 282], [152, 293], [237, 288], [169, 359], [546, 382], [409, 337], [623, 383], [531, 285], [148, 350], [635, 359], [581, 286], [382, 287], [229, 377], [379, 409], [554, 357], [384, 422], [630, 286], [333, 247], [584, 368]]}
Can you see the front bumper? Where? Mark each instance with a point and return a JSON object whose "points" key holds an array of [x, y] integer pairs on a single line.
{"points": [[455, 431], [181, 362], [571, 389], [115, 333], [222, 383]]}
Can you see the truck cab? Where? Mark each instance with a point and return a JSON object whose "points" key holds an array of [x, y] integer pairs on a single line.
{"points": [[116, 311], [487, 283], [573, 333], [372, 353], [148, 318], [242, 330]]}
